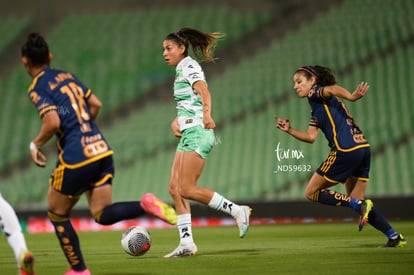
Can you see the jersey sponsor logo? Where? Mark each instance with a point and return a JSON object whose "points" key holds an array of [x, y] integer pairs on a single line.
{"points": [[95, 149], [339, 196], [85, 140], [359, 138], [94, 145], [194, 75], [69, 251]]}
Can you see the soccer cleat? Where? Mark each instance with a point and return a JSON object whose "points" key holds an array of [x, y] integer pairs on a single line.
{"points": [[183, 250], [243, 220], [398, 241], [366, 207], [158, 208], [74, 272], [27, 264]]}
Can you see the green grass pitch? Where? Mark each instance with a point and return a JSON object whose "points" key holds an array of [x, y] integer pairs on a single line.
{"points": [[317, 248]]}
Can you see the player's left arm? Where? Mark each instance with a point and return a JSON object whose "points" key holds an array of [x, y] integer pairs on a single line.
{"points": [[50, 126], [201, 88], [309, 136], [336, 90]]}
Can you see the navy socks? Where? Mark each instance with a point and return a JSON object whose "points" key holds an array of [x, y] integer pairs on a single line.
{"points": [[119, 211]]}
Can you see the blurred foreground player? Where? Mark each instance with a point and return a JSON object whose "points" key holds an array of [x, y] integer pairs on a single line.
{"points": [[68, 110], [9, 224]]}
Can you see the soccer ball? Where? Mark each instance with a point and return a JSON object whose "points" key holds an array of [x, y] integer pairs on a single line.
{"points": [[136, 241]]}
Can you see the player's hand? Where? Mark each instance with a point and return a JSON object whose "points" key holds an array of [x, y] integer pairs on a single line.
{"points": [[209, 122], [175, 128], [38, 157], [282, 124], [360, 91]]}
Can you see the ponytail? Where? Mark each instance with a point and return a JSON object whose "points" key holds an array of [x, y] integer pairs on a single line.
{"points": [[36, 49], [202, 44]]}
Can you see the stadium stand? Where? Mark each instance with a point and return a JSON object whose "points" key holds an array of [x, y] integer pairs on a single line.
{"points": [[117, 56], [10, 27], [118, 52]]}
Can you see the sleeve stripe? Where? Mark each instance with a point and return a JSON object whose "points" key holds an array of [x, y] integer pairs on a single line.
{"points": [[43, 111]]}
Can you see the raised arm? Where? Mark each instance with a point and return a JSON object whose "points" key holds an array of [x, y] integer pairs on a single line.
{"points": [[341, 92]]}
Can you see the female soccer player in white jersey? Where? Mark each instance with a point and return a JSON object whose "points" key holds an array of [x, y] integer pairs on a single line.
{"points": [[194, 126], [9, 223]]}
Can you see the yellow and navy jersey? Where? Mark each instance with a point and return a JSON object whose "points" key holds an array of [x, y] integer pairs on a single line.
{"points": [[332, 116], [79, 141]]}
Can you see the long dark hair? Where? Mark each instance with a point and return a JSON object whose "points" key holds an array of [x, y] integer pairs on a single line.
{"points": [[323, 75], [202, 44], [36, 49]]}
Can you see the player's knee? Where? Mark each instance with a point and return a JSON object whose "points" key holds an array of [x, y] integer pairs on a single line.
{"points": [[188, 193], [57, 218], [97, 217], [174, 190], [309, 194]]}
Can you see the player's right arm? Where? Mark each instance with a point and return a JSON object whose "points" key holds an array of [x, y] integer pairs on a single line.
{"points": [[175, 128], [308, 136], [50, 126]]}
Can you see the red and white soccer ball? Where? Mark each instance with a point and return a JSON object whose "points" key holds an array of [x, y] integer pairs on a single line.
{"points": [[136, 241]]}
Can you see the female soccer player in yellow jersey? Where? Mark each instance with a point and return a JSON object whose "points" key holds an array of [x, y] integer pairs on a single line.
{"points": [[350, 156], [68, 110], [194, 126]]}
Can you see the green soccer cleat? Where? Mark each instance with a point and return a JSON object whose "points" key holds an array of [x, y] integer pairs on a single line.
{"points": [[398, 241], [153, 205], [27, 263], [366, 207]]}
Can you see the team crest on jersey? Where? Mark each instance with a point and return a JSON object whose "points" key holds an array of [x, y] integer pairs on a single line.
{"points": [[194, 75], [311, 92]]}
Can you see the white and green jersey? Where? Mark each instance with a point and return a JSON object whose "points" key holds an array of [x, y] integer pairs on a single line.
{"points": [[189, 104]]}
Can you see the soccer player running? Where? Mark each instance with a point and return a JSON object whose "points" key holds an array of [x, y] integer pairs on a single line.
{"points": [[194, 126], [9, 223], [68, 109], [350, 156]]}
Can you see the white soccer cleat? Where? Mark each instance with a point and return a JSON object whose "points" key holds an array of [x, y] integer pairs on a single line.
{"points": [[183, 250], [243, 220]]}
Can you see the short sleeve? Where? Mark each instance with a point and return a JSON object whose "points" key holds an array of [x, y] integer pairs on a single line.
{"points": [[192, 72], [43, 103]]}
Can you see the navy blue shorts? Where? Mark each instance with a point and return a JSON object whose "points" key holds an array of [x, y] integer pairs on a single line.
{"points": [[74, 182], [339, 166]]}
